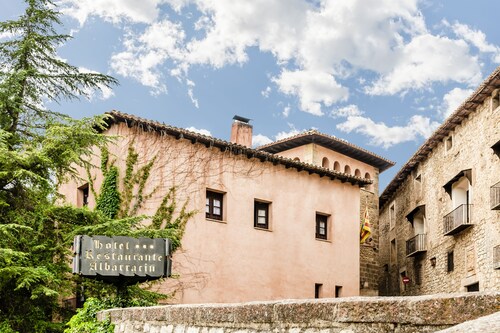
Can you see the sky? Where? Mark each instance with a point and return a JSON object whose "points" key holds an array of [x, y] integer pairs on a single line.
{"points": [[381, 74]]}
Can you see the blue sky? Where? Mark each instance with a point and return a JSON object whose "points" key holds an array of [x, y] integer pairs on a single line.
{"points": [[380, 74]]}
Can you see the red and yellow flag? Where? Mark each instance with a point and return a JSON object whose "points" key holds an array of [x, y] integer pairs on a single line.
{"points": [[366, 231]]}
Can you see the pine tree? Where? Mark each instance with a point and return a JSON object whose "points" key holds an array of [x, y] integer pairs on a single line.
{"points": [[37, 147]]}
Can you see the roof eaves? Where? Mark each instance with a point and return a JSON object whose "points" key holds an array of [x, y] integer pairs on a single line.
{"points": [[236, 149]]}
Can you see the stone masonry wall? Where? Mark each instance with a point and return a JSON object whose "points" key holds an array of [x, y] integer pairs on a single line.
{"points": [[369, 268], [344, 315], [472, 248]]}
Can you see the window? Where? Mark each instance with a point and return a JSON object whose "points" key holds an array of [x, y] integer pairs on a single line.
{"points": [[261, 215], [321, 226], [83, 195], [392, 215], [336, 166], [325, 163], [357, 173], [418, 184], [213, 208], [449, 143], [418, 274], [394, 255], [338, 291], [450, 265], [473, 287], [317, 290], [347, 170]]}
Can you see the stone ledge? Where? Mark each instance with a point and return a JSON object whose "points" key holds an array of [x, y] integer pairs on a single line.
{"points": [[363, 314]]}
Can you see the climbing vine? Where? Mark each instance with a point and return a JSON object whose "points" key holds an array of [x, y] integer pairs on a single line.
{"points": [[109, 200]]}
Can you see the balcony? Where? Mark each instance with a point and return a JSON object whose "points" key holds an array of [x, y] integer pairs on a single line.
{"points": [[416, 245], [458, 220], [495, 196]]}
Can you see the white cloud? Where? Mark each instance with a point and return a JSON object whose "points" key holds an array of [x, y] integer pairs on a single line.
{"points": [[313, 88], [283, 135], [191, 85], [346, 111], [145, 53], [144, 11], [265, 93], [453, 99], [476, 38], [260, 140], [199, 131], [286, 111], [415, 69], [316, 45], [386, 136]]}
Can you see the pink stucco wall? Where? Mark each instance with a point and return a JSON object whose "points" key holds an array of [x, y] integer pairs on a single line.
{"points": [[231, 261]]}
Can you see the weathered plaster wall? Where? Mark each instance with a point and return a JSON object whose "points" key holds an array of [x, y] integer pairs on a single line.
{"points": [[348, 315], [472, 248]]}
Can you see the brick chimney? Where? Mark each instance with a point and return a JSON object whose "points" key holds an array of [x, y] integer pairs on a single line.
{"points": [[241, 131]]}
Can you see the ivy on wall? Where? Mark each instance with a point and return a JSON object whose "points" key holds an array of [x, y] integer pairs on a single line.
{"points": [[109, 201]]}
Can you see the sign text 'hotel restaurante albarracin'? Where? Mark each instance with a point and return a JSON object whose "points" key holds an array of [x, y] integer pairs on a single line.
{"points": [[122, 258]]}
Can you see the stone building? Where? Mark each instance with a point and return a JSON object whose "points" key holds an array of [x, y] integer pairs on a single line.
{"points": [[439, 216], [278, 222]]}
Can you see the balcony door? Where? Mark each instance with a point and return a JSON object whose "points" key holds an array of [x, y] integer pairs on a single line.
{"points": [[460, 192], [419, 223]]}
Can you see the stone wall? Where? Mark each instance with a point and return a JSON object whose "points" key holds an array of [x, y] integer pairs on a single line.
{"points": [[473, 248], [369, 268], [344, 315]]}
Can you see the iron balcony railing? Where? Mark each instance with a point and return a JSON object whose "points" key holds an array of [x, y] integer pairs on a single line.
{"points": [[415, 245], [495, 196], [458, 220]]}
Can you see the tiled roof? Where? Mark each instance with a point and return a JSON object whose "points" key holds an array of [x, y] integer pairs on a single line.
{"points": [[236, 149], [456, 118], [330, 142]]}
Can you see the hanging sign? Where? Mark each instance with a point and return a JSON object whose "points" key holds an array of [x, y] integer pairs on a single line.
{"points": [[122, 258]]}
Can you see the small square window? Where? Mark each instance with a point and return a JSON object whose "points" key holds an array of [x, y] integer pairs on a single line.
{"points": [[213, 207], [261, 215], [451, 265], [321, 226]]}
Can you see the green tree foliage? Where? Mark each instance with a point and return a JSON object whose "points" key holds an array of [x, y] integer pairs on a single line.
{"points": [[37, 147], [40, 148]]}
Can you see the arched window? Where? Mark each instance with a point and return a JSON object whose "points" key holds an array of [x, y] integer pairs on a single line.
{"points": [[296, 159], [347, 169], [336, 166], [357, 173], [369, 187], [325, 163]]}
